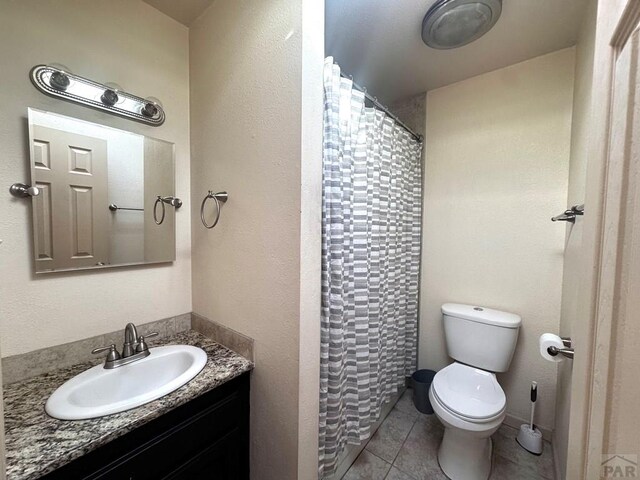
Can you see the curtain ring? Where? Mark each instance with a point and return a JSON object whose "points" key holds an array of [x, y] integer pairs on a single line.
{"points": [[204, 201], [155, 214]]}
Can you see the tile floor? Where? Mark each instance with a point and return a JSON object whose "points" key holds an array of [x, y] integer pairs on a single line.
{"points": [[406, 445]]}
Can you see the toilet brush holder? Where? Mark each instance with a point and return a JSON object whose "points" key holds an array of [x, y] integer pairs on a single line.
{"points": [[530, 439]]}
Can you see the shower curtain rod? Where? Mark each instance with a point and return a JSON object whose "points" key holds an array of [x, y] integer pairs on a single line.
{"points": [[380, 106]]}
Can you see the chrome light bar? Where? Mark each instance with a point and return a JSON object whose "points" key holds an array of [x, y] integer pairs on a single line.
{"points": [[57, 81]]}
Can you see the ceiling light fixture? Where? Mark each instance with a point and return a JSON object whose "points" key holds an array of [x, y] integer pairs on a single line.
{"points": [[454, 23]]}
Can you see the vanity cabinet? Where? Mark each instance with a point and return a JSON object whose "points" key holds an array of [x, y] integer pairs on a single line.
{"points": [[206, 438]]}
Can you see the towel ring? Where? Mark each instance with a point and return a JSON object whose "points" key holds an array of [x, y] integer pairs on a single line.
{"points": [[155, 211], [173, 201], [220, 197]]}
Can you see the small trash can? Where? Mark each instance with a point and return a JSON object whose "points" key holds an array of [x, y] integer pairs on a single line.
{"points": [[420, 383]]}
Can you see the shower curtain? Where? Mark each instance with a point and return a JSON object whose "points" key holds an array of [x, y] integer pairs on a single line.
{"points": [[370, 264]]}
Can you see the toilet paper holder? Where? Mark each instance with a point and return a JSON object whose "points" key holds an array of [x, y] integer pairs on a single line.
{"points": [[567, 351]]}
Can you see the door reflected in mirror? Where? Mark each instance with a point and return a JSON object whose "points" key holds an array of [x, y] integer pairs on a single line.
{"points": [[98, 187]]}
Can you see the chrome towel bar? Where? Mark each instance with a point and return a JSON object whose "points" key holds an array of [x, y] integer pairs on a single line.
{"points": [[113, 207], [569, 215]]}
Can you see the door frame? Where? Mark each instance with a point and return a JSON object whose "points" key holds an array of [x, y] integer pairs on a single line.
{"points": [[616, 20]]}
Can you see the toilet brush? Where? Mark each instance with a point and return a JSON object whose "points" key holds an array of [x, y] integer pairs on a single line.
{"points": [[529, 437]]}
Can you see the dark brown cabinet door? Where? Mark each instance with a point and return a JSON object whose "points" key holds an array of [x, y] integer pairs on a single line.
{"points": [[207, 438]]}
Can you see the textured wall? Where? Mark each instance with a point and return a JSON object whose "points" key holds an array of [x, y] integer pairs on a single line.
{"points": [[412, 112], [246, 66], [147, 53], [3, 458], [310, 236], [572, 295], [497, 163]]}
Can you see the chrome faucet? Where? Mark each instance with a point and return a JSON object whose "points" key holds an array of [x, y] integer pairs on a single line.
{"points": [[130, 340], [134, 348]]}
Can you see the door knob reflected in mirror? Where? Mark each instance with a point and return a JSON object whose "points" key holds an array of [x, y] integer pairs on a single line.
{"points": [[22, 190]]}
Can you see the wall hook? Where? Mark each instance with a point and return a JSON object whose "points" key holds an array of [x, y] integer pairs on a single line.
{"points": [[570, 214]]}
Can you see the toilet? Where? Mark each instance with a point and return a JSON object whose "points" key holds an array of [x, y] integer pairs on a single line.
{"points": [[466, 396]]}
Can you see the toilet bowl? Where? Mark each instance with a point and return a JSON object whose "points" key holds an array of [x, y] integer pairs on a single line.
{"points": [[470, 404], [466, 396]]}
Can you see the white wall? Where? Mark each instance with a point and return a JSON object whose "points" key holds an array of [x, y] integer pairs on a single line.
{"points": [[159, 179], [126, 189], [572, 294], [145, 52], [312, 108], [497, 163], [3, 458], [412, 112], [246, 127]]}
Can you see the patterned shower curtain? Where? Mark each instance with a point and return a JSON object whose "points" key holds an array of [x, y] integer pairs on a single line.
{"points": [[370, 264]]}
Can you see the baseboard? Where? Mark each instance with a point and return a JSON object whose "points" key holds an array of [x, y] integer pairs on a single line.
{"points": [[558, 475], [515, 422]]}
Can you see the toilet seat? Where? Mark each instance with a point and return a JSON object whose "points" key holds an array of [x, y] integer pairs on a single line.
{"points": [[472, 394]]}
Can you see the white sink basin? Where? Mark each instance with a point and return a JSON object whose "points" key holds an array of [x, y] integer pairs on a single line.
{"points": [[98, 391]]}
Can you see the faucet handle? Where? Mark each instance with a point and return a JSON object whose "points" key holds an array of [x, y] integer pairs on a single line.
{"points": [[111, 356], [142, 345]]}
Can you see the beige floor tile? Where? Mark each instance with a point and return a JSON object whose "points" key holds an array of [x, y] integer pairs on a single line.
{"points": [[386, 442], [504, 469], [367, 467], [396, 474], [431, 422], [418, 455], [410, 440], [505, 445], [405, 404]]}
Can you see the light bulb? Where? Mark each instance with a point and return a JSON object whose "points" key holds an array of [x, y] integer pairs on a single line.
{"points": [[111, 94], [151, 108], [59, 78]]}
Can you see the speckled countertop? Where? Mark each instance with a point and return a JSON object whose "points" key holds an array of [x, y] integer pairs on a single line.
{"points": [[37, 444]]}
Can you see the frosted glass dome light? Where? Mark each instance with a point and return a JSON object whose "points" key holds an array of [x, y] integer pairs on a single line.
{"points": [[454, 23]]}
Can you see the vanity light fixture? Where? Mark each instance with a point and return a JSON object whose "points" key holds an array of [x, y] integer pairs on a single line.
{"points": [[57, 81]]}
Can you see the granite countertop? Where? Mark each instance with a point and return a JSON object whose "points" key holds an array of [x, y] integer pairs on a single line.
{"points": [[37, 444]]}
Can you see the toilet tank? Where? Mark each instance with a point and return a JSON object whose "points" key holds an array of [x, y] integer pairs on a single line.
{"points": [[480, 337]]}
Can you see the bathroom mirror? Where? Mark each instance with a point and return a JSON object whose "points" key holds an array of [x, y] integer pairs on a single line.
{"points": [[105, 197]]}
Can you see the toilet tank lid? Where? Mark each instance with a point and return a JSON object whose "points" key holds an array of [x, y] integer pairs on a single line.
{"points": [[482, 315]]}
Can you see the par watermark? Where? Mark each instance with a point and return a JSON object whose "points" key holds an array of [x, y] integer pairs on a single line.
{"points": [[615, 465]]}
